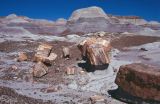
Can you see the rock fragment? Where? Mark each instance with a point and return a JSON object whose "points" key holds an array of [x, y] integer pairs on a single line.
{"points": [[51, 89], [70, 71], [22, 56], [40, 70], [44, 54], [50, 59], [97, 98], [66, 52], [43, 51], [14, 67], [140, 80]]}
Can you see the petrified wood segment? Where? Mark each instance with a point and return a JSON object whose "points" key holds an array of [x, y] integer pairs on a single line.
{"points": [[140, 80], [95, 51], [44, 54], [97, 55], [89, 41], [44, 50], [39, 69]]}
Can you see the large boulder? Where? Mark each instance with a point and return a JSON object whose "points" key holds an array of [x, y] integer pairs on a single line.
{"points": [[140, 80]]}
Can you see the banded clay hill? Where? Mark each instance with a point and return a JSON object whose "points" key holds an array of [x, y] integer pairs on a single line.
{"points": [[91, 58]]}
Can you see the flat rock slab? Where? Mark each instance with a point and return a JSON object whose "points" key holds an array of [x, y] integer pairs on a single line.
{"points": [[140, 80]]}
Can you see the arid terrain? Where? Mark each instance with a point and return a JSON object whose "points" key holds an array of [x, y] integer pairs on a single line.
{"points": [[133, 40]]}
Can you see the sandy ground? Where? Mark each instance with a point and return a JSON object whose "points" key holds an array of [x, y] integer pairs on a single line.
{"points": [[18, 86]]}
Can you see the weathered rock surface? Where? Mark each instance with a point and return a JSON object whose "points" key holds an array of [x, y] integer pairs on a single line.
{"points": [[140, 80], [97, 55], [44, 50], [90, 12], [82, 21], [40, 70], [61, 21], [131, 19]]}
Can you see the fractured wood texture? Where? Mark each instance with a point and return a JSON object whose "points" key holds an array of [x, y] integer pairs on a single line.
{"points": [[96, 51], [140, 80]]}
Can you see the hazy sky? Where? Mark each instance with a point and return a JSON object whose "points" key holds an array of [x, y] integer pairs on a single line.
{"points": [[53, 9]]}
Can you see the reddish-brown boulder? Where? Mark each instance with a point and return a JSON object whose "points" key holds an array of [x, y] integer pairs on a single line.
{"points": [[140, 80]]}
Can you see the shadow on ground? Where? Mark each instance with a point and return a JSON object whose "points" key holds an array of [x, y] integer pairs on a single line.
{"points": [[92, 68], [123, 96]]}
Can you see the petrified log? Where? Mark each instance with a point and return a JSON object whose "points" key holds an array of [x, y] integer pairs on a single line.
{"points": [[97, 55], [44, 50], [84, 44], [140, 80], [96, 52], [44, 54], [89, 41], [50, 59]]}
